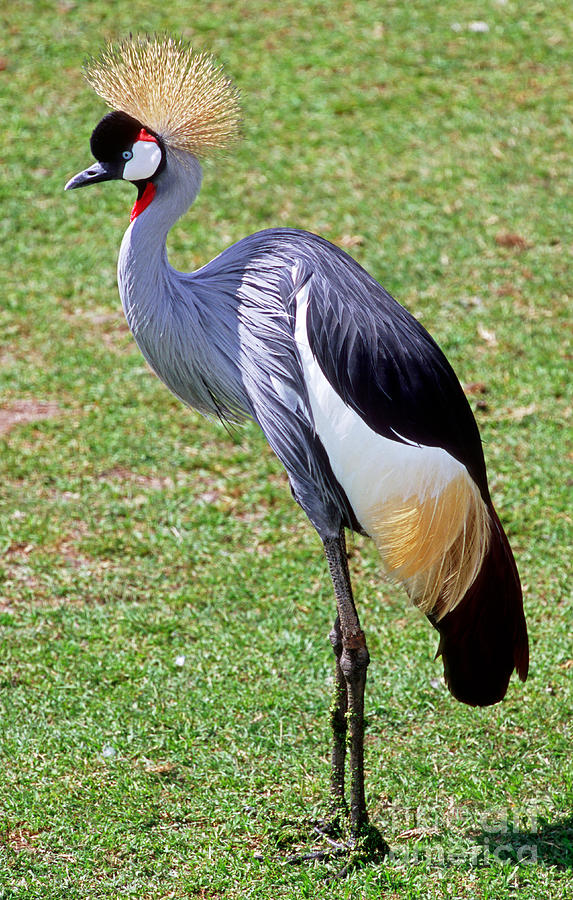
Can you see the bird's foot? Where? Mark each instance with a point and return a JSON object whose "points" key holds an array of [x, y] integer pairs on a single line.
{"points": [[366, 846], [330, 833], [332, 839]]}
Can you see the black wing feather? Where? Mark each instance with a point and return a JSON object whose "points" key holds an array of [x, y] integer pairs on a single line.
{"points": [[384, 364]]}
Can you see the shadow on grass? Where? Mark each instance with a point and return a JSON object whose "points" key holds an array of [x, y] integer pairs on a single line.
{"points": [[550, 843]]}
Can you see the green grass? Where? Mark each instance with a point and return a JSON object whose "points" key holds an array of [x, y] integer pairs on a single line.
{"points": [[164, 668]]}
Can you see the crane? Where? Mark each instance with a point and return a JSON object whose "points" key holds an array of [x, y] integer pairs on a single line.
{"points": [[352, 394]]}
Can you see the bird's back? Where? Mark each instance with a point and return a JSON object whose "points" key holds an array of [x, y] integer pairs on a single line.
{"points": [[378, 357]]}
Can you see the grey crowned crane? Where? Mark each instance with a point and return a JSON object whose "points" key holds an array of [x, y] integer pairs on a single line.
{"points": [[353, 395]]}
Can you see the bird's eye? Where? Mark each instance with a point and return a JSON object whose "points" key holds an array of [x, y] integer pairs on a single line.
{"points": [[127, 154]]}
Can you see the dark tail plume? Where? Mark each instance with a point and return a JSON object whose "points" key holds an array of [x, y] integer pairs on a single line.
{"points": [[484, 638]]}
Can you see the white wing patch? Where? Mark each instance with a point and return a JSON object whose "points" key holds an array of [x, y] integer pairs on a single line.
{"points": [[418, 503]]}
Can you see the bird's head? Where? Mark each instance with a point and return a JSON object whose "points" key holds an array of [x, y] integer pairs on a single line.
{"points": [[167, 100], [124, 149]]}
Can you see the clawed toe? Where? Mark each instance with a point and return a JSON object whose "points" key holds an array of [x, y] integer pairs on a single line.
{"points": [[369, 846], [327, 831]]}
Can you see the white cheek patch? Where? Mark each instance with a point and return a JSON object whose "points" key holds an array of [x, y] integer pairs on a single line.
{"points": [[144, 162]]}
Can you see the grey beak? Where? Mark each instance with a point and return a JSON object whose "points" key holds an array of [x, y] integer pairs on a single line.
{"points": [[100, 171]]}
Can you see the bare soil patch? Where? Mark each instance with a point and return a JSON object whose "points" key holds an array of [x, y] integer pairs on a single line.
{"points": [[22, 412]]}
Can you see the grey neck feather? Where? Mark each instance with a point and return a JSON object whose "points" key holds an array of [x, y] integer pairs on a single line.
{"points": [[182, 325]]}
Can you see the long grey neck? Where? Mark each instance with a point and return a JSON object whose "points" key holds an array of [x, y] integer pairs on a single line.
{"points": [[143, 266], [182, 325]]}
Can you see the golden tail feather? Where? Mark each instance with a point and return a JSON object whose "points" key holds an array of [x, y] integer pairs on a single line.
{"points": [[435, 545]]}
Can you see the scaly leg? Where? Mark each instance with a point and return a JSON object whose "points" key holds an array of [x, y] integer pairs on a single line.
{"points": [[353, 663], [339, 723]]}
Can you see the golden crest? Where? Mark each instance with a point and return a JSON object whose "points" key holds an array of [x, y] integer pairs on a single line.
{"points": [[182, 95]]}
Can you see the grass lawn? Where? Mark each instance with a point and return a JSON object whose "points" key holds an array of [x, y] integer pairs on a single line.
{"points": [[165, 673]]}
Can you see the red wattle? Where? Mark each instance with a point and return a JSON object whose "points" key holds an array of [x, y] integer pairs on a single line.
{"points": [[145, 136], [143, 202]]}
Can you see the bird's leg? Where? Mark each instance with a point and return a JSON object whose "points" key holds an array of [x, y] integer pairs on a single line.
{"points": [[353, 663], [339, 723], [347, 718]]}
